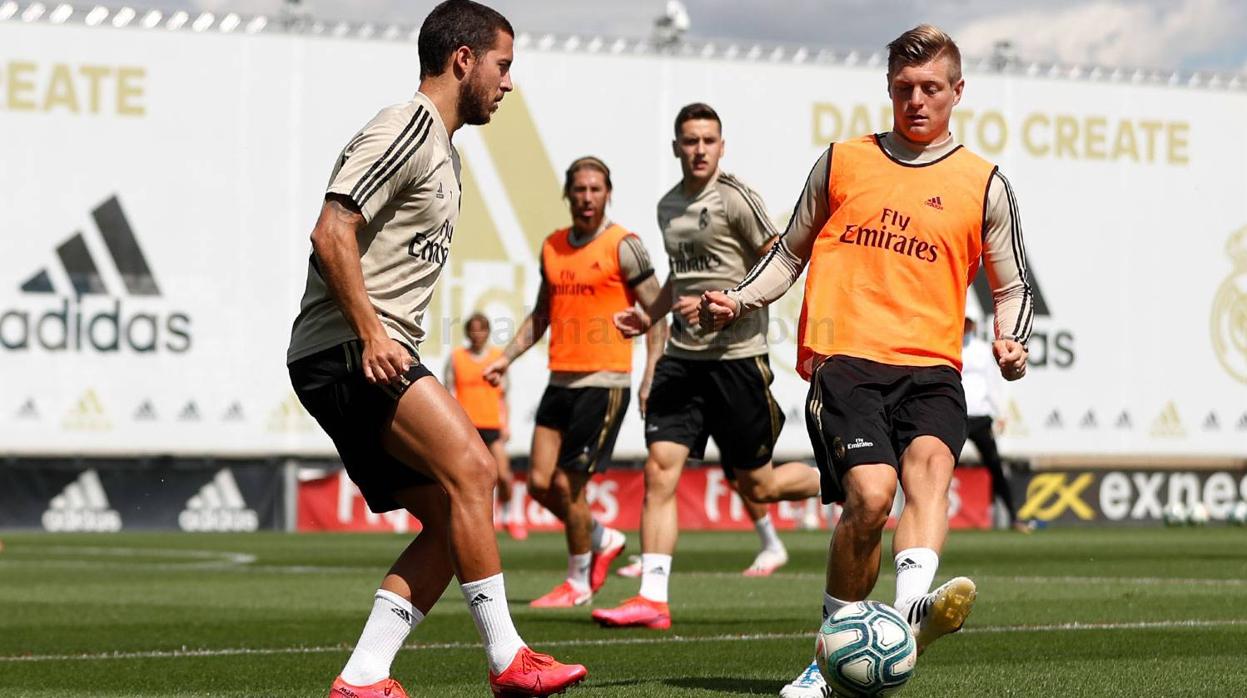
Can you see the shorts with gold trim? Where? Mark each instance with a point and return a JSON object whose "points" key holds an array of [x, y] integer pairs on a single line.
{"points": [[355, 413], [692, 401], [589, 420], [860, 411]]}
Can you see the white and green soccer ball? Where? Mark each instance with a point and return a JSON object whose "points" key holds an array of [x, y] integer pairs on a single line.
{"points": [[1176, 514], [865, 649], [1238, 514], [1199, 514]]}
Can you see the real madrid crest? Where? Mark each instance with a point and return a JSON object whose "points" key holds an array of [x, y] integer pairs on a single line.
{"points": [[1229, 311]]}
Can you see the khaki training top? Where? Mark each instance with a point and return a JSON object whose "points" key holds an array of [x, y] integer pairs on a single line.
{"points": [[403, 174]]}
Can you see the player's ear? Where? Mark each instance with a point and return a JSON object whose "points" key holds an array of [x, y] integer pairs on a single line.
{"points": [[675, 147], [462, 61], [957, 90]]}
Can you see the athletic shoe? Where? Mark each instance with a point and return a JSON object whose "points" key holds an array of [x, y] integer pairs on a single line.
{"points": [[809, 684], [563, 596], [767, 562], [517, 530], [941, 612], [613, 544], [535, 674], [1026, 527], [636, 612], [385, 688], [633, 569]]}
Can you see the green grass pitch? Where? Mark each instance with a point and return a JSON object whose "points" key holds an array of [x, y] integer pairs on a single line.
{"points": [[1155, 612]]}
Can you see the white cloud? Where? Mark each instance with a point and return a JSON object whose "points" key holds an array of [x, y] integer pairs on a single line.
{"points": [[1150, 34]]}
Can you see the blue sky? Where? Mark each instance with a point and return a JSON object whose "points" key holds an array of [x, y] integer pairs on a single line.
{"points": [[1186, 34]]}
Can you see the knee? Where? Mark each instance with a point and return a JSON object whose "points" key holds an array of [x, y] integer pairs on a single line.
{"points": [[477, 474], [660, 480], [760, 491], [869, 508]]}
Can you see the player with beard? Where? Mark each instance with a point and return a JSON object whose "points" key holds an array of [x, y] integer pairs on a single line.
{"points": [[378, 248], [707, 384], [589, 271], [893, 227]]}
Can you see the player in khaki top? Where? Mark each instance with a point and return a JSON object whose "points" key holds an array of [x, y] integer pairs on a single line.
{"points": [[589, 271], [384, 232], [893, 227], [707, 384]]}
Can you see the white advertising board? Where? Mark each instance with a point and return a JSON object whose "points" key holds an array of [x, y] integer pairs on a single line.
{"points": [[159, 188]]}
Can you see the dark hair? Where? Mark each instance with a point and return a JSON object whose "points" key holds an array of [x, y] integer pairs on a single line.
{"points": [[475, 317], [579, 164], [921, 45], [696, 110], [456, 23]]}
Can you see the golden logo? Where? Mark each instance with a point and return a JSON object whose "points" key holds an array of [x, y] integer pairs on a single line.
{"points": [[1168, 422], [289, 416], [87, 414], [1050, 495], [1229, 311], [1014, 424]]}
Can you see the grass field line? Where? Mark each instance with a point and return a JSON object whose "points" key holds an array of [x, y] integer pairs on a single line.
{"points": [[226, 561], [610, 642]]}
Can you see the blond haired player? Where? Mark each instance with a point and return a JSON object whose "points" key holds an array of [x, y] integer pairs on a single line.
{"points": [[486, 405], [707, 384], [378, 248], [589, 271], [893, 227]]}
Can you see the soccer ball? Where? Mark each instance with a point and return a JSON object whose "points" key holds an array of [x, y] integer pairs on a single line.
{"points": [[1199, 514], [1238, 515], [1175, 514], [865, 649]]}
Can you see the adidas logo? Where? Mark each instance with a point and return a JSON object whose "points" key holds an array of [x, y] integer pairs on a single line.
{"points": [[28, 410], [402, 613], [189, 413], [1168, 423], [234, 413], [1054, 420], [288, 416], [1088, 421], [82, 320], [906, 564], [146, 412], [1211, 423], [935, 203], [479, 599], [1123, 421], [87, 414], [82, 506], [218, 506]]}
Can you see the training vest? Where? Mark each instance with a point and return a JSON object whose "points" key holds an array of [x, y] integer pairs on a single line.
{"points": [[889, 271], [482, 401], [586, 288]]}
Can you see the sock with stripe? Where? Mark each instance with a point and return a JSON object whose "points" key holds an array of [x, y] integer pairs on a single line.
{"points": [[915, 572], [655, 573], [597, 535], [392, 618], [487, 602], [578, 570]]}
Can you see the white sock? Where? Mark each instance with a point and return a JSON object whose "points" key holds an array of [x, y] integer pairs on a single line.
{"points": [[915, 571], [655, 571], [487, 602], [831, 604], [578, 570], [599, 532], [767, 534], [391, 619]]}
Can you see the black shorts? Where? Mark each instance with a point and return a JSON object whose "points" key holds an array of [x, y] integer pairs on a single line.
{"points": [[489, 436], [589, 420], [354, 412], [691, 401], [861, 411]]}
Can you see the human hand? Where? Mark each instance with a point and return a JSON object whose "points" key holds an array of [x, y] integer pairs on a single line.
{"points": [[1011, 357], [632, 322], [717, 310], [385, 360]]}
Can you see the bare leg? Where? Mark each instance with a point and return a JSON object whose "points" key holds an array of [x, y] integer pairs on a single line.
{"points": [[926, 474], [579, 521], [430, 432], [773, 483], [506, 479], [659, 514], [853, 563], [422, 572], [542, 471]]}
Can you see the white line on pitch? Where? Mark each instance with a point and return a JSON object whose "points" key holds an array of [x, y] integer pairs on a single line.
{"points": [[612, 642]]}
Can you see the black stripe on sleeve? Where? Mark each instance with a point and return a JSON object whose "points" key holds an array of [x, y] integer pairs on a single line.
{"points": [[399, 159], [757, 268], [403, 136], [1026, 314], [751, 200]]}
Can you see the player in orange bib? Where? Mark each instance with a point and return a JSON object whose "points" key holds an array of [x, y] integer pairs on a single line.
{"points": [[589, 272], [893, 227], [486, 405]]}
